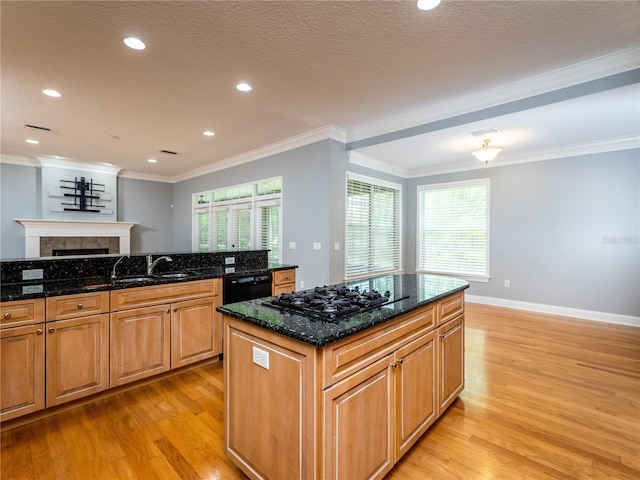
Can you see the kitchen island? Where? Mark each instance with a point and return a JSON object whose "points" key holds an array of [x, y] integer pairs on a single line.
{"points": [[345, 398]]}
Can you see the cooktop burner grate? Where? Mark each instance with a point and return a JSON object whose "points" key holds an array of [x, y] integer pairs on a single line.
{"points": [[330, 303]]}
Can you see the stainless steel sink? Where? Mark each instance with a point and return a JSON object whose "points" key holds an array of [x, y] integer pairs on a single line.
{"points": [[140, 279], [176, 275]]}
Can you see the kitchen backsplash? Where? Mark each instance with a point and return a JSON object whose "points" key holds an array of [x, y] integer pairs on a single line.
{"points": [[62, 268]]}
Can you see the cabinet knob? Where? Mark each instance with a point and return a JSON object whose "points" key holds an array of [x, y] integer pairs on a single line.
{"points": [[80, 306], [168, 310], [7, 315], [39, 331], [394, 365], [400, 361], [175, 309], [51, 329]]}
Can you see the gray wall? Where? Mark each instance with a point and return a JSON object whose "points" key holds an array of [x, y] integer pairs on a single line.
{"points": [[564, 232], [150, 204], [19, 198], [305, 206]]}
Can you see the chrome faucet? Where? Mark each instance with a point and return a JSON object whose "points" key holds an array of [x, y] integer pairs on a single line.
{"points": [[113, 271], [152, 263]]}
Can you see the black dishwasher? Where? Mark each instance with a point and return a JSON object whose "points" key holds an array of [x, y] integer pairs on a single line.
{"points": [[238, 287]]}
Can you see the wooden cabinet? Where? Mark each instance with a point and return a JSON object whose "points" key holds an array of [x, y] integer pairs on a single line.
{"points": [[139, 343], [284, 281], [358, 425], [415, 388], [377, 392], [77, 346], [150, 334], [22, 362], [451, 361], [195, 331]]}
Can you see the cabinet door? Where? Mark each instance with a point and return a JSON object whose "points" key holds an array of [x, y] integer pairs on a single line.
{"points": [[21, 371], [416, 406], [451, 360], [358, 419], [195, 331], [77, 358], [140, 343]]}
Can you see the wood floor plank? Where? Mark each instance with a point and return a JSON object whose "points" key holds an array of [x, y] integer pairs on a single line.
{"points": [[546, 397]]}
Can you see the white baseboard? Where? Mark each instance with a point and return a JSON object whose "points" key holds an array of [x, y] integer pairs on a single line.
{"points": [[555, 310]]}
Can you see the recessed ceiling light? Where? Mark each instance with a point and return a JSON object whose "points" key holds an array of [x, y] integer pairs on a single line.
{"points": [[208, 133], [244, 87], [152, 160], [32, 141], [52, 93], [428, 4], [135, 43]]}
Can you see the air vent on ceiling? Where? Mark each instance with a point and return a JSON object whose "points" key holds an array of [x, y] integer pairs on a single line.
{"points": [[36, 127], [482, 133], [169, 152]]}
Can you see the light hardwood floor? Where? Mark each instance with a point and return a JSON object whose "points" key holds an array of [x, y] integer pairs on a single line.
{"points": [[546, 398]]}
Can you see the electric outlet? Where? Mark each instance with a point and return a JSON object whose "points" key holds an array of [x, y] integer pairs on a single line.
{"points": [[33, 274], [301, 284], [317, 246], [261, 358], [229, 260], [507, 283]]}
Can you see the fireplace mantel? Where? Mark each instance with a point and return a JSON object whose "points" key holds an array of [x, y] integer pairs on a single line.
{"points": [[34, 229]]}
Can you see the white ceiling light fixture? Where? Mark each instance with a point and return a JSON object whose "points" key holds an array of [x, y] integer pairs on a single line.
{"points": [[152, 160], [32, 141], [428, 4], [135, 43], [208, 133], [244, 87], [486, 153], [52, 93]]}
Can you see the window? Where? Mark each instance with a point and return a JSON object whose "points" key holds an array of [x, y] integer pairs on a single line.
{"points": [[242, 217], [453, 228], [372, 230]]}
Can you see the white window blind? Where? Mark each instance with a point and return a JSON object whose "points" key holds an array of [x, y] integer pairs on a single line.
{"points": [[269, 228], [241, 217], [241, 227], [219, 230], [453, 228], [372, 227], [201, 233]]}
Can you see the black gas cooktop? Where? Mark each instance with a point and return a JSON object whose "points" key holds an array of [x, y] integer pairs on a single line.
{"points": [[330, 303]]}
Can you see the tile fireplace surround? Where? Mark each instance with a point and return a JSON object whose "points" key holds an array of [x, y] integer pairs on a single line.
{"points": [[41, 236]]}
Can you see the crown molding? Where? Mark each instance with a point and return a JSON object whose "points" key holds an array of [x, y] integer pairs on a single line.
{"points": [[564, 151], [323, 133], [18, 160], [594, 69], [357, 158], [69, 165], [149, 177]]}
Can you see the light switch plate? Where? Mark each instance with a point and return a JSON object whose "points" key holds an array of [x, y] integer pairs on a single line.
{"points": [[292, 245], [317, 246]]}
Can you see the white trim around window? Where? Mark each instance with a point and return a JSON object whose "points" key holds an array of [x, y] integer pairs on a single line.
{"points": [[452, 234], [373, 227]]}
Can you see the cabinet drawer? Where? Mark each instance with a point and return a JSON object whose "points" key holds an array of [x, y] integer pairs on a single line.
{"points": [[158, 294], [281, 277], [21, 312], [81, 305], [450, 307], [352, 354]]}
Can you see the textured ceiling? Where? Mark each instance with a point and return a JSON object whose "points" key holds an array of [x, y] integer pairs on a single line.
{"points": [[351, 64]]}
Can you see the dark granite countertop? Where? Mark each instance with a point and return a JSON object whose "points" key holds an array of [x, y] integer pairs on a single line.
{"points": [[408, 292], [52, 288]]}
